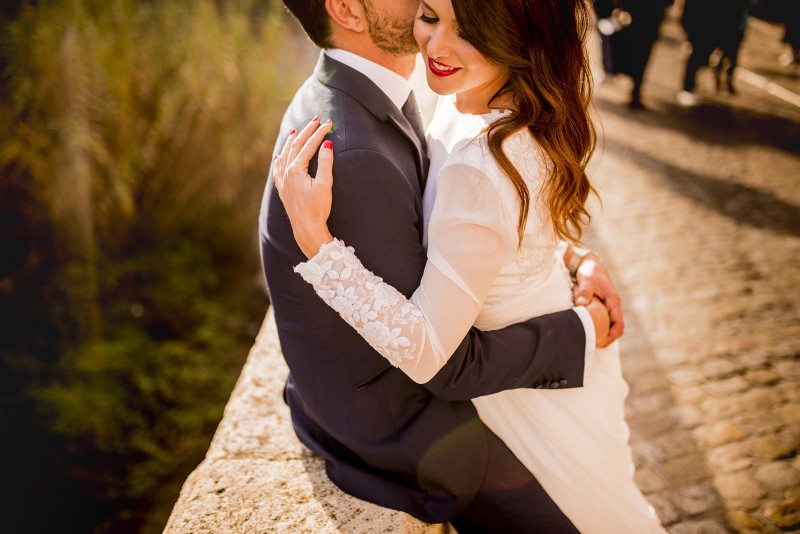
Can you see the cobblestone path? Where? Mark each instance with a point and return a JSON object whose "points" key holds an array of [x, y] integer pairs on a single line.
{"points": [[701, 225]]}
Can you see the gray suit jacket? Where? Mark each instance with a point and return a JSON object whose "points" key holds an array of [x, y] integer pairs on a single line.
{"points": [[385, 439]]}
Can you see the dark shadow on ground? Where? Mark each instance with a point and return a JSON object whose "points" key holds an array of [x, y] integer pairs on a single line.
{"points": [[717, 123], [742, 203]]}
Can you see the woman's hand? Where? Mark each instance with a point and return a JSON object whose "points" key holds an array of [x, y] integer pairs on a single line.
{"points": [[307, 199], [593, 279]]}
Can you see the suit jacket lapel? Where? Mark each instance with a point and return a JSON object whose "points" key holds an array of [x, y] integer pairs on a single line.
{"points": [[396, 116], [339, 76]]}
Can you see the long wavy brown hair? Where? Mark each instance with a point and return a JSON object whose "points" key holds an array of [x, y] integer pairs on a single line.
{"points": [[542, 43]]}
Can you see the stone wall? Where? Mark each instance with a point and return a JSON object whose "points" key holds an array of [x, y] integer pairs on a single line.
{"points": [[257, 477]]}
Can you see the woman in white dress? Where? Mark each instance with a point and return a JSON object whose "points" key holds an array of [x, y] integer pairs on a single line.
{"points": [[512, 185]]}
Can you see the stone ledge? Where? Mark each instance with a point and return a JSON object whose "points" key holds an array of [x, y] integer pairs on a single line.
{"points": [[257, 476]]}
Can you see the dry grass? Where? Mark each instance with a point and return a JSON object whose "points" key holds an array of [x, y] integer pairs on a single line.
{"points": [[139, 134]]}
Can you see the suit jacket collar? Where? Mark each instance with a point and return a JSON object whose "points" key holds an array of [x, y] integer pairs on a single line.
{"points": [[348, 80], [395, 86]]}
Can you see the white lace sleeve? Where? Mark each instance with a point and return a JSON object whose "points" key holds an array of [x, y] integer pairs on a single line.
{"points": [[381, 314], [472, 237]]}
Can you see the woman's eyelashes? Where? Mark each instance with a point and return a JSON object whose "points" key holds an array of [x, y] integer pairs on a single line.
{"points": [[428, 20], [433, 20]]}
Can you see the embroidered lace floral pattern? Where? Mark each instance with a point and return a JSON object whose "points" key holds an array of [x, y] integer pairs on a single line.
{"points": [[377, 311], [534, 261]]}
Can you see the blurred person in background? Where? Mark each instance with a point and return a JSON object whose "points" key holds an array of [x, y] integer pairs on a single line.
{"points": [[791, 33], [628, 29], [785, 13], [712, 25], [732, 21]]}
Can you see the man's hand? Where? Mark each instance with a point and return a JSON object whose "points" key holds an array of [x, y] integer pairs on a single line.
{"points": [[593, 280], [600, 318]]}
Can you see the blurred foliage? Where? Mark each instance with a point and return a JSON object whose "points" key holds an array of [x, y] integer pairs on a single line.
{"points": [[134, 142]]}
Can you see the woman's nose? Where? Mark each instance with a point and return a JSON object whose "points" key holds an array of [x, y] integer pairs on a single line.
{"points": [[438, 45]]}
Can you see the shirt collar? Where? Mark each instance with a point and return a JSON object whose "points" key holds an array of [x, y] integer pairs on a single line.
{"points": [[394, 86]]}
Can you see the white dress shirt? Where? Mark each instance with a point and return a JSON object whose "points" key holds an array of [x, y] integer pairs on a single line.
{"points": [[396, 87]]}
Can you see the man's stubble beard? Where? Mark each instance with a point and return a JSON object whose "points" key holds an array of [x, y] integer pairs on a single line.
{"points": [[391, 34]]}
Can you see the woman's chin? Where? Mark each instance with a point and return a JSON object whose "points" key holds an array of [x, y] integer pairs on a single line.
{"points": [[436, 85]]}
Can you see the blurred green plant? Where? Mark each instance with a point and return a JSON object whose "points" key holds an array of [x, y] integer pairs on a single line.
{"points": [[134, 147]]}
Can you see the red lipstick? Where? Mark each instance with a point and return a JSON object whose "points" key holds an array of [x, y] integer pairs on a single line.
{"points": [[436, 68]]}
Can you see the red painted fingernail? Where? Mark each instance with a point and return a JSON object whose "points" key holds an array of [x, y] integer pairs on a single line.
{"points": [[276, 156], [328, 145], [293, 132], [315, 119]]}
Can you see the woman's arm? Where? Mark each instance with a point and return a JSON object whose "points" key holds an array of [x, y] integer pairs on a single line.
{"points": [[469, 243], [472, 237]]}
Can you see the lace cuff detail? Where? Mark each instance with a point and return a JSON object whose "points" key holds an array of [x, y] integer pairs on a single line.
{"points": [[383, 316]]}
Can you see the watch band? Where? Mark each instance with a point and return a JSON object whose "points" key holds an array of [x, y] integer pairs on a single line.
{"points": [[575, 260]]}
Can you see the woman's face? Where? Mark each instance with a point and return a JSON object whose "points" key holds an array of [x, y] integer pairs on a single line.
{"points": [[453, 65]]}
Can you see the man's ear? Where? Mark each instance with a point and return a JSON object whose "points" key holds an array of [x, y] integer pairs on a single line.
{"points": [[349, 14]]}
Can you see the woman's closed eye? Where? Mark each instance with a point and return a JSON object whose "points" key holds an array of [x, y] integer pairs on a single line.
{"points": [[433, 20], [428, 20]]}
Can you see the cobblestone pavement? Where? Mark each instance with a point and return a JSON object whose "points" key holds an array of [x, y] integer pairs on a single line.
{"points": [[701, 226]]}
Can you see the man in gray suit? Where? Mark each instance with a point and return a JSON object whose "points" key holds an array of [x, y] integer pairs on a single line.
{"points": [[417, 448]]}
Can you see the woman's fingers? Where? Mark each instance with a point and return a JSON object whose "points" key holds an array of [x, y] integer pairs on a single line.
{"points": [[299, 140], [279, 165], [307, 200], [277, 175], [582, 292], [297, 152], [324, 177], [309, 148]]}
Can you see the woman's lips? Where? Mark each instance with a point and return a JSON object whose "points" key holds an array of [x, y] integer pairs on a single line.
{"points": [[440, 69]]}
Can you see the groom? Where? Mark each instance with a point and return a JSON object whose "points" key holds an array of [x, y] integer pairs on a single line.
{"points": [[417, 448]]}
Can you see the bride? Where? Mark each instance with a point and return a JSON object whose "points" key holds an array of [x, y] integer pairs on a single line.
{"points": [[511, 149]]}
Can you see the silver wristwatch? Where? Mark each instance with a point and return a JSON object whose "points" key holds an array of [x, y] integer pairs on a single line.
{"points": [[575, 260]]}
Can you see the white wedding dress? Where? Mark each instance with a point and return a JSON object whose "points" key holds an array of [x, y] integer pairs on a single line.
{"points": [[575, 441]]}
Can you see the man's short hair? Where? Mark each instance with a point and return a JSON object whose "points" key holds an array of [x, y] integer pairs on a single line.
{"points": [[312, 15]]}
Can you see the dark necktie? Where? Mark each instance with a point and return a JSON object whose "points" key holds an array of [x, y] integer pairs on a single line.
{"points": [[411, 113]]}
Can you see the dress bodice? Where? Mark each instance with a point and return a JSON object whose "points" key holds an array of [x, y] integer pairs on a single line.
{"points": [[534, 282]]}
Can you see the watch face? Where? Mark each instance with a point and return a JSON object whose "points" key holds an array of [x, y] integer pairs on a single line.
{"points": [[575, 260]]}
